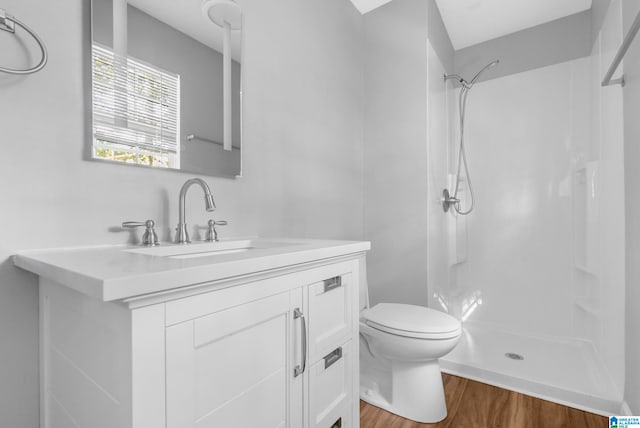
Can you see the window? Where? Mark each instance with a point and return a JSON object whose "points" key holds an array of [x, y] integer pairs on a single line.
{"points": [[136, 109]]}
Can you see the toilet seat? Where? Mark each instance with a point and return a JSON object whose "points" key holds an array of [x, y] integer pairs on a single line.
{"points": [[411, 321]]}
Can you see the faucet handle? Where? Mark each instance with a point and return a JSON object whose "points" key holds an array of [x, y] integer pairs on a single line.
{"points": [[212, 233], [149, 238]]}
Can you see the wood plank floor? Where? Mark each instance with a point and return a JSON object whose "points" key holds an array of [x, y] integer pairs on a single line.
{"points": [[473, 404]]}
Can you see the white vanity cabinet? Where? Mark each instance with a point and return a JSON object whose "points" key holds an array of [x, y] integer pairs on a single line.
{"points": [[262, 363], [274, 349]]}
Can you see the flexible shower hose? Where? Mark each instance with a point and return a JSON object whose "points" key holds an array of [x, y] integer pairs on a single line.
{"points": [[462, 158]]}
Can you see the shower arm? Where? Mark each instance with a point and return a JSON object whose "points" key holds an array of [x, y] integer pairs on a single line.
{"points": [[458, 78], [486, 67]]}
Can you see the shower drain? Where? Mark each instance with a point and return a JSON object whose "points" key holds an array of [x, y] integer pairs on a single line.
{"points": [[514, 356]]}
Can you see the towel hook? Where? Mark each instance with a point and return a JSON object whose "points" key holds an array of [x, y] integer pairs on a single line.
{"points": [[8, 23]]}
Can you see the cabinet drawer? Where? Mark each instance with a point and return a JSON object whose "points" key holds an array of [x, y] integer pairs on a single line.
{"points": [[330, 310], [330, 386]]}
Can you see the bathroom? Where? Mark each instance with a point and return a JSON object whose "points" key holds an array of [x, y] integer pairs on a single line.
{"points": [[342, 113]]}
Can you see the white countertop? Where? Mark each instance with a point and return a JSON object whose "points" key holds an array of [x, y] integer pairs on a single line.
{"points": [[115, 272]]}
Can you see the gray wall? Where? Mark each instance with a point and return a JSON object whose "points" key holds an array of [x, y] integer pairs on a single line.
{"points": [[546, 44], [598, 13], [302, 156], [631, 93], [201, 88], [438, 36], [395, 156]]}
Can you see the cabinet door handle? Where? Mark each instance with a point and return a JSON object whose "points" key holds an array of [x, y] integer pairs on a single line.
{"points": [[297, 313], [333, 357], [331, 283]]}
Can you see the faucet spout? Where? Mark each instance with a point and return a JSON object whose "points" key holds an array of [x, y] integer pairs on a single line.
{"points": [[182, 236], [210, 205]]}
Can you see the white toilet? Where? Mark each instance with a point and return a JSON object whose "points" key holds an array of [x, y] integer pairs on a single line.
{"points": [[399, 350]]}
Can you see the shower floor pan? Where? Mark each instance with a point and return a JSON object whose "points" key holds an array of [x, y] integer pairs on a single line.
{"points": [[565, 371]]}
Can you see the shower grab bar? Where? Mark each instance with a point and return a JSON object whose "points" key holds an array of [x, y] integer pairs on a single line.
{"points": [[621, 53], [8, 23], [192, 137]]}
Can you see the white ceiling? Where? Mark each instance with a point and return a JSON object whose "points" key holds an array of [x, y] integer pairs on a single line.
{"points": [[469, 22], [365, 6], [474, 21]]}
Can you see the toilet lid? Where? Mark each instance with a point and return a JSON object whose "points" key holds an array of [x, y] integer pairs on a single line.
{"points": [[412, 321]]}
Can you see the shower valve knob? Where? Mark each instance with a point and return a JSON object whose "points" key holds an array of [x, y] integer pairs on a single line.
{"points": [[448, 201]]}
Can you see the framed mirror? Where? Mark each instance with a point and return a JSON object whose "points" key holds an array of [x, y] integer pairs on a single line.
{"points": [[166, 85]]}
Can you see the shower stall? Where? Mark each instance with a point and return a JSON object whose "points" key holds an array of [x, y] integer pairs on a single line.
{"points": [[536, 270]]}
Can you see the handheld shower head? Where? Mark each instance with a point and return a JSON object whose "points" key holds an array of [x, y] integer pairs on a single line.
{"points": [[468, 85], [486, 67]]}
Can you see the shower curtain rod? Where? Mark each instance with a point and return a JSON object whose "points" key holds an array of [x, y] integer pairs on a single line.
{"points": [[621, 53]]}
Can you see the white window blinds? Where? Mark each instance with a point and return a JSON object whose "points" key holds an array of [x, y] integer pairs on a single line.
{"points": [[135, 107]]}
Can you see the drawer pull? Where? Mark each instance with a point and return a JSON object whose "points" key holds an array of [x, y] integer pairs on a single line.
{"points": [[333, 357], [331, 283], [337, 424]]}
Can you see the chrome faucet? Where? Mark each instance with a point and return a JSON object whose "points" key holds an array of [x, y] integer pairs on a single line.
{"points": [[182, 236]]}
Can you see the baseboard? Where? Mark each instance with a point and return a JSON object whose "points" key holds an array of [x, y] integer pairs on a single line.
{"points": [[587, 403]]}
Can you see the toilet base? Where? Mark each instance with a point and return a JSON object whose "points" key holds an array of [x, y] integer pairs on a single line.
{"points": [[416, 392]]}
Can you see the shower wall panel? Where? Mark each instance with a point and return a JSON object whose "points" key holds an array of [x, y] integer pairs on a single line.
{"points": [[608, 147], [438, 225], [632, 213], [522, 135]]}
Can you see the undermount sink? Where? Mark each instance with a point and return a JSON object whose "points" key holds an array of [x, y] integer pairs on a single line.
{"points": [[205, 249]]}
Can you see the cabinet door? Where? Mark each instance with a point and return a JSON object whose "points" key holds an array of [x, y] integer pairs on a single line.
{"points": [[233, 368]]}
